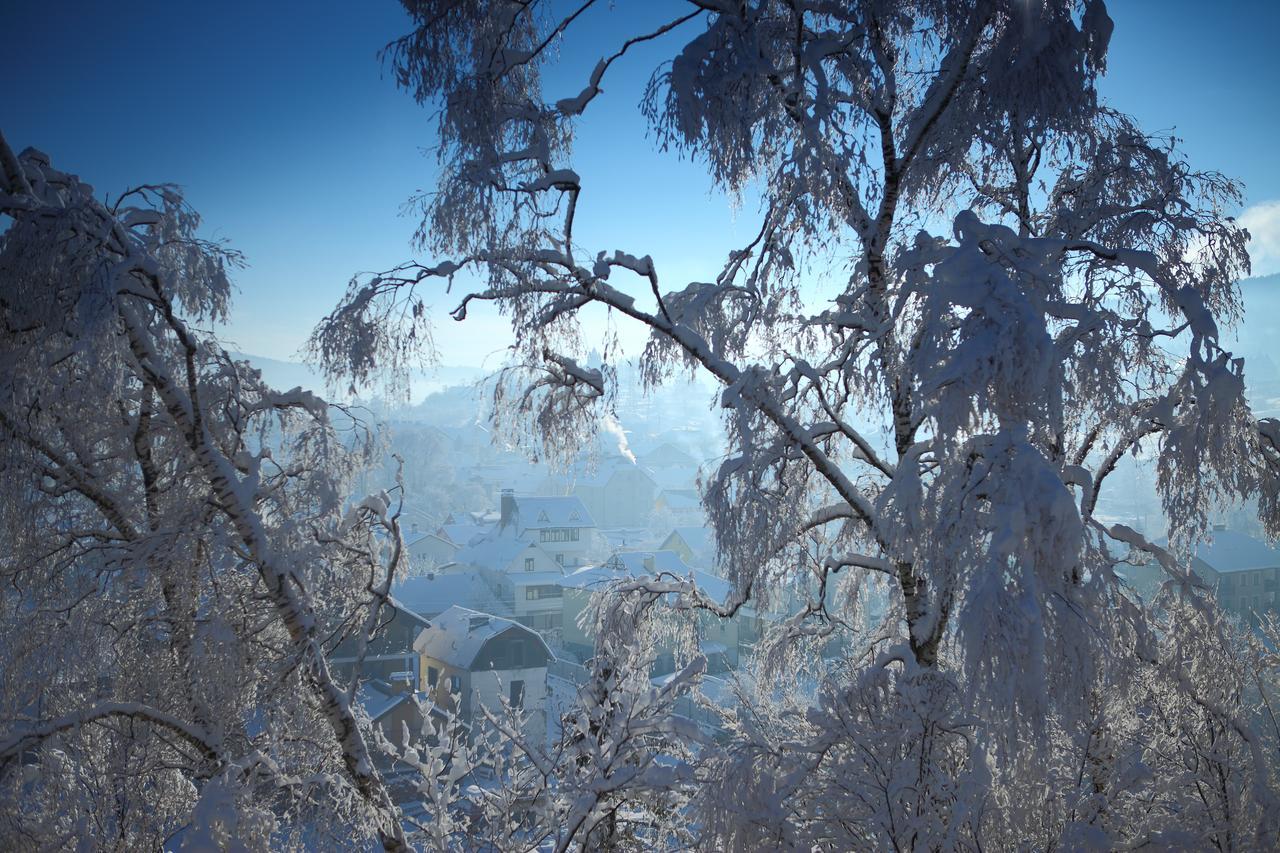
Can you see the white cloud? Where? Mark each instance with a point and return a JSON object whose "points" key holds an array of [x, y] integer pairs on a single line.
{"points": [[1263, 222]]}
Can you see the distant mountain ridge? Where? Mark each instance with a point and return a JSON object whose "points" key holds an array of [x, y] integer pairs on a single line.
{"points": [[290, 374]]}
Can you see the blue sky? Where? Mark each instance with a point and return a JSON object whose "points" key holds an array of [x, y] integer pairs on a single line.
{"points": [[289, 139]]}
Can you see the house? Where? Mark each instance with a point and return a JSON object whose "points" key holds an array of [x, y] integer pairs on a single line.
{"points": [[430, 594], [472, 660], [695, 545], [721, 640], [427, 550], [670, 467], [526, 573], [389, 655], [617, 492], [1243, 571], [461, 533], [668, 455], [392, 707], [680, 507], [562, 526]]}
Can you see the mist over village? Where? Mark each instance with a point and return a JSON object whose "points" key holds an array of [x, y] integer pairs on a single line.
{"points": [[723, 425]]}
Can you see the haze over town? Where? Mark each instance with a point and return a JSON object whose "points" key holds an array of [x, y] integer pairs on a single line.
{"points": [[687, 425]]}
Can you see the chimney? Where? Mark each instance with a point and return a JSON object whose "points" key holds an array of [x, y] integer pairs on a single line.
{"points": [[507, 508]]}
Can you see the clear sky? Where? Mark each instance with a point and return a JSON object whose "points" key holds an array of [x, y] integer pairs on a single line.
{"points": [[279, 122]]}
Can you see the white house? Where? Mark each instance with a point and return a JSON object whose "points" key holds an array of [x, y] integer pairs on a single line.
{"points": [[617, 491], [434, 592], [682, 507], [561, 526], [428, 550], [471, 660], [527, 573]]}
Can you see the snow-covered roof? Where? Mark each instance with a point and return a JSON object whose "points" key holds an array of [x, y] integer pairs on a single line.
{"points": [[413, 540], [699, 539], [459, 634], [378, 700], [1231, 551], [436, 592], [645, 564], [408, 611], [668, 454], [535, 513], [606, 470], [628, 537], [461, 533], [492, 552]]}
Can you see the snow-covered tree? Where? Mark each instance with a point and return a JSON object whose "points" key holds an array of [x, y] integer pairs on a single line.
{"points": [[178, 553], [1027, 287]]}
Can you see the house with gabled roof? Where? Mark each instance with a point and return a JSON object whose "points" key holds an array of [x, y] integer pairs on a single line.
{"points": [[472, 660], [462, 533], [682, 507], [560, 525], [434, 592], [695, 545], [617, 491], [668, 455], [428, 550], [389, 654], [528, 574], [1243, 571]]}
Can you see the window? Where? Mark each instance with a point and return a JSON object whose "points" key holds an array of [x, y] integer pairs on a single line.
{"points": [[528, 564], [560, 559], [558, 534], [547, 590], [544, 621], [517, 694], [455, 684], [433, 676]]}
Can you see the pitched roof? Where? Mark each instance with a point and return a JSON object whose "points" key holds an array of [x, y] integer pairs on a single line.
{"points": [[598, 473], [438, 591], [1230, 551], [668, 454], [697, 538], [377, 700], [408, 612], [459, 634], [462, 534], [645, 564], [535, 513], [413, 540], [492, 552]]}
